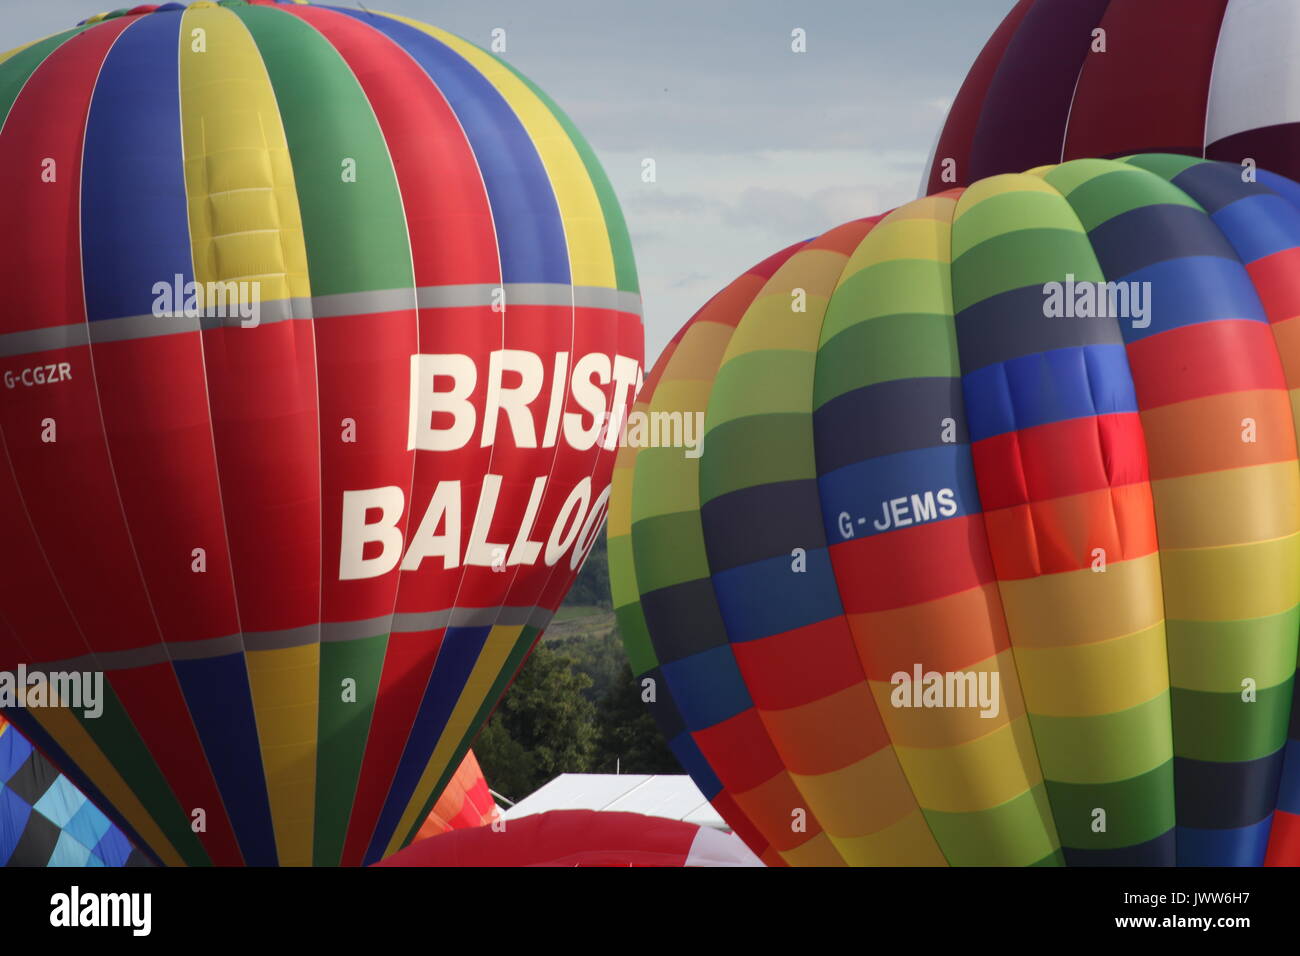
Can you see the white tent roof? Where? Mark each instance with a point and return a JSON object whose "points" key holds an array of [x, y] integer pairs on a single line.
{"points": [[674, 796]]}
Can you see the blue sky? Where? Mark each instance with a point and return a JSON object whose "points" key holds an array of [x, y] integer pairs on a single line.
{"points": [[755, 147]]}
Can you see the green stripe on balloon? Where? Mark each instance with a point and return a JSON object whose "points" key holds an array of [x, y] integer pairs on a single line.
{"points": [[356, 240], [1207, 726], [514, 660], [615, 225], [115, 735], [355, 231], [346, 728], [1025, 237], [15, 71]]}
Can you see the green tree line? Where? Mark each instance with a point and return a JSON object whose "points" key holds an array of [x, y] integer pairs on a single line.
{"points": [[574, 707]]}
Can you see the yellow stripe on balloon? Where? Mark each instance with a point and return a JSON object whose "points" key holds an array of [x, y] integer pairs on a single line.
{"points": [[492, 660], [907, 237], [974, 776], [1088, 680], [286, 694], [697, 356], [591, 258], [19, 49], [818, 851], [932, 728], [906, 842], [1126, 598], [1232, 583], [1256, 502], [1036, 204], [868, 795], [771, 322], [245, 224]]}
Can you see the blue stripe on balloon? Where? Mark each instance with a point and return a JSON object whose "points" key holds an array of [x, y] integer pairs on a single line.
{"points": [[1239, 846], [1286, 188], [1145, 235], [1158, 851], [861, 490], [688, 754], [768, 597], [220, 703], [1015, 323], [1048, 387], [1197, 289], [460, 650], [707, 687], [133, 238], [1259, 226], [1288, 794], [1215, 185], [530, 233]]}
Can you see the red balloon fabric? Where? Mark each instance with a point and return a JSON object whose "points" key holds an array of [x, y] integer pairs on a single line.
{"points": [[467, 802], [1072, 79], [580, 838]]}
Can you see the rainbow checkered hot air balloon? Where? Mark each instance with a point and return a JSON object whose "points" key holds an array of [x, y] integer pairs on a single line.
{"points": [[318, 327], [992, 553], [45, 820]]}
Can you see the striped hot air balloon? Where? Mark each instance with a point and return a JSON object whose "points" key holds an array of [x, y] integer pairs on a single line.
{"points": [[1070, 79], [315, 324], [972, 569], [466, 802]]}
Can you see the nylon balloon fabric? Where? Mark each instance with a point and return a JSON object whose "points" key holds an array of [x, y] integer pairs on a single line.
{"points": [[992, 553], [1071, 79], [580, 838], [45, 820], [316, 323], [465, 802]]}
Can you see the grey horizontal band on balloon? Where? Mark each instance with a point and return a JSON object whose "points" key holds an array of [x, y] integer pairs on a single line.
{"points": [[334, 632], [131, 327]]}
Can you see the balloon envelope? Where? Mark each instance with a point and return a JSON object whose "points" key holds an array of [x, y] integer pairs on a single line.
{"points": [[314, 322], [992, 556], [1069, 79], [465, 802], [580, 838]]}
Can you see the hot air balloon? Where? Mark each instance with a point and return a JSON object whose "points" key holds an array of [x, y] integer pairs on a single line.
{"points": [[465, 802], [992, 552], [580, 838], [318, 328], [45, 820], [1070, 79]]}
